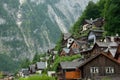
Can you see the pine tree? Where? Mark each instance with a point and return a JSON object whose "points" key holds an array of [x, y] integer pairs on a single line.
{"points": [[112, 17]]}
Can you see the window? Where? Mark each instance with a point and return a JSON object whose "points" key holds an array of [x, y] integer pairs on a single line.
{"points": [[109, 70], [94, 70]]}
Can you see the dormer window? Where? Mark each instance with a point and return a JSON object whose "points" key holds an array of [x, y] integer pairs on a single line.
{"points": [[109, 70]]}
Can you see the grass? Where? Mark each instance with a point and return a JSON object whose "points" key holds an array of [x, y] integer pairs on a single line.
{"points": [[106, 78], [38, 77]]}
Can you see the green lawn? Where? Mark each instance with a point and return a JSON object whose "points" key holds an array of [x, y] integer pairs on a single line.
{"points": [[38, 77]]}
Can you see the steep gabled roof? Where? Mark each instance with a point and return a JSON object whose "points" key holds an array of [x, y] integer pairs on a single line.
{"points": [[80, 43], [95, 56]]}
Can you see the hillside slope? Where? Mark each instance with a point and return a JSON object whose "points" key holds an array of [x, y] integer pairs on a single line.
{"points": [[32, 26]]}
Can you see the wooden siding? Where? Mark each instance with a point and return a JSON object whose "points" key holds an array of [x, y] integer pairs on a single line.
{"points": [[101, 62], [62, 53], [74, 45], [119, 59], [73, 75]]}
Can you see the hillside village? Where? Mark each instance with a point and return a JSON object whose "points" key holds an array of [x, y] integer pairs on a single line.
{"points": [[87, 55], [99, 56]]}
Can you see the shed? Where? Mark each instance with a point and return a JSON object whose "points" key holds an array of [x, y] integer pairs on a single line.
{"points": [[70, 70]]}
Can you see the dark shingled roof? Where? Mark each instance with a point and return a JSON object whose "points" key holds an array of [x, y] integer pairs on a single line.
{"points": [[93, 57], [41, 65], [25, 71], [113, 44], [70, 65], [102, 44], [75, 50]]}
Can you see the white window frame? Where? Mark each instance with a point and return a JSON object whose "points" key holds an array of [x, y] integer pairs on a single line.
{"points": [[109, 70], [94, 70]]}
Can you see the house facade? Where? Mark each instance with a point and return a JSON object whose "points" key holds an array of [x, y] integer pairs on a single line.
{"points": [[100, 65], [95, 35]]}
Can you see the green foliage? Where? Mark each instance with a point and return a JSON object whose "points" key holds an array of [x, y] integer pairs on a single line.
{"points": [[36, 58], [91, 11], [112, 17], [62, 59], [109, 9], [38, 77], [25, 63], [101, 5], [1, 76], [58, 46], [106, 78], [7, 64]]}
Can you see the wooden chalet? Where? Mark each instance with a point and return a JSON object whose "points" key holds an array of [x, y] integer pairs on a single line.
{"points": [[97, 48], [95, 35], [98, 66], [69, 52], [65, 38], [69, 42], [69, 70], [24, 72], [112, 39], [98, 22], [40, 66], [78, 45], [65, 52], [114, 52], [86, 27]]}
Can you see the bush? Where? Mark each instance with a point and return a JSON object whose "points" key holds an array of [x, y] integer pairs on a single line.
{"points": [[62, 59]]}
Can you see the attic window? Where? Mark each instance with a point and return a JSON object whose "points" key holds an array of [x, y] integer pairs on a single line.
{"points": [[94, 69], [109, 70]]}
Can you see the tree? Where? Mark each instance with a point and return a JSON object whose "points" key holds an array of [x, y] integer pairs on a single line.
{"points": [[101, 6], [91, 11], [36, 58], [25, 63], [112, 17]]}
